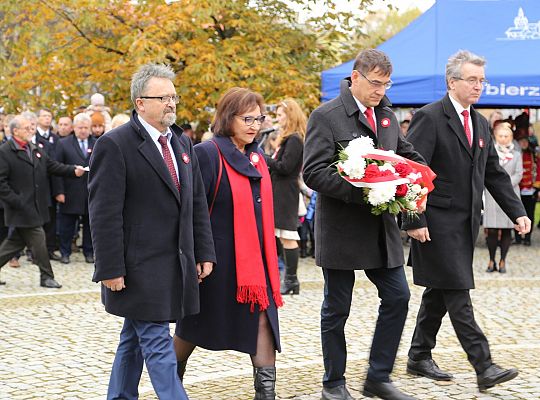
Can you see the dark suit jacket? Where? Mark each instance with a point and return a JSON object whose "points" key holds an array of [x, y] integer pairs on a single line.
{"points": [[143, 228], [454, 207], [285, 171], [24, 184], [347, 235], [75, 190]]}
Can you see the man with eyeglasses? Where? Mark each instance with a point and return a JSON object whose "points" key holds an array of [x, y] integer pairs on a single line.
{"points": [[456, 142], [150, 232], [348, 236]]}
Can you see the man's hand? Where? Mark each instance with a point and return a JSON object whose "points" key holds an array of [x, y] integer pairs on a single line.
{"points": [[115, 284], [79, 171], [523, 225], [61, 198], [420, 234], [204, 269]]}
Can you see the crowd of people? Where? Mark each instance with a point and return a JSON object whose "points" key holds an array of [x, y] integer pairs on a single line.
{"points": [[195, 234]]}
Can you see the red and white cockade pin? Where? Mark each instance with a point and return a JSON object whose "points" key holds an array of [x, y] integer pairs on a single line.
{"points": [[385, 122], [254, 158], [38, 154], [40, 145], [89, 150], [185, 158], [481, 143]]}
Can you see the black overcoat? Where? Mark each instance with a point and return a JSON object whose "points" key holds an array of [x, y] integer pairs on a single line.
{"points": [[24, 184], [143, 228], [75, 190], [347, 235], [223, 323], [285, 170], [454, 207]]}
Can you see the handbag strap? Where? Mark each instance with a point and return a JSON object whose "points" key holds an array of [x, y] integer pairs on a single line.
{"points": [[220, 171]]}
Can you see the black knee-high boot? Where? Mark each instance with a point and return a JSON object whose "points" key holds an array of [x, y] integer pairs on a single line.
{"points": [[264, 382], [290, 282]]}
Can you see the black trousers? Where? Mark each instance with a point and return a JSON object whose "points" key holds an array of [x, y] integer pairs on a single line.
{"points": [[393, 291], [33, 238], [435, 304], [529, 202], [68, 224], [50, 228], [3, 228]]}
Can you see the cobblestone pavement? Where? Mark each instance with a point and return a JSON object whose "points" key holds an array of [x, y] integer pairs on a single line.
{"points": [[59, 344]]}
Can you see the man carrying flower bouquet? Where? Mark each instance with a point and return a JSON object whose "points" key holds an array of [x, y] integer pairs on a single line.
{"points": [[350, 232], [456, 142]]}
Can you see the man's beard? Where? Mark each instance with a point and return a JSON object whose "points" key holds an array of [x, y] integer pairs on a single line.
{"points": [[168, 119]]}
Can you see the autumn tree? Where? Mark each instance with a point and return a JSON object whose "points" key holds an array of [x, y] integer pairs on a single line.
{"points": [[57, 53]]}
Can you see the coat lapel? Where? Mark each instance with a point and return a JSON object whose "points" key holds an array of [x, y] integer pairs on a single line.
{"points": [[182, 161], [385, 142], [239, 161], [478, 135], [455, 124], [77, 148]]}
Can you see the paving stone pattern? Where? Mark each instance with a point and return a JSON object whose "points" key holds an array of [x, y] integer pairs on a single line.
{"points": [[60, 344]]}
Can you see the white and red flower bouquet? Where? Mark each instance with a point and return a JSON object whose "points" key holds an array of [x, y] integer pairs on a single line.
{"points": [[391, 183]]}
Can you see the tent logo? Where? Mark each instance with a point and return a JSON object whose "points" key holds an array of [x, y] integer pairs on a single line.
{"points": [[523, 29]]}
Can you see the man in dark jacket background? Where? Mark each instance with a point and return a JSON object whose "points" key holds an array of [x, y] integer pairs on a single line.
{"points": [[348, 236], [456, 142], [24, 191], [151, 233]]}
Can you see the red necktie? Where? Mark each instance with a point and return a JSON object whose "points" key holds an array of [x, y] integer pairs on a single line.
{"points": [[168, 160], [370, 120], [465, 114]]}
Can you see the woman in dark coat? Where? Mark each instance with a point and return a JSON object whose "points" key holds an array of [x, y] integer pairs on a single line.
{"points": [[285, 166], [239, 300]]}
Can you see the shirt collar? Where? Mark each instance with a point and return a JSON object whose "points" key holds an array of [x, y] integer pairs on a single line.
{"points": [[43, 133], [362, 107], [459, 108], [153, 132]]}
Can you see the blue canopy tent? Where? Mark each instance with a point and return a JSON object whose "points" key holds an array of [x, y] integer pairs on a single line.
{"points": [[505, 32]]}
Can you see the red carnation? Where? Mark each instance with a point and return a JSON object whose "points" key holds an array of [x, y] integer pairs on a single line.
{"points": [[372, 171], [403, 169], [401, 190]]}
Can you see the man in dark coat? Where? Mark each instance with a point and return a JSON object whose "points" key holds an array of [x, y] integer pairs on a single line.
{"points": [[348, 236], [72, 194], [24, 191], [455, 141], [151, 233]]}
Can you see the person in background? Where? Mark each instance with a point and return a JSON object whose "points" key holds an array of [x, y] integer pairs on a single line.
{"points": [[239, 300], [119, 119], [530, 183], [404, 125], [493, 118], [189, 132], [285, 166], [98, 124], [97, 104], [65, 126], [499, 226]]}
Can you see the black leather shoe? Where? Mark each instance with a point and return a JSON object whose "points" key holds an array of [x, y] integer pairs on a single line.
{"points": [[384, 390], [53, 256], [336, 393], [64, 260], [2, 282], [427, 368], [89, 259], [50, 283], [495, 375]]}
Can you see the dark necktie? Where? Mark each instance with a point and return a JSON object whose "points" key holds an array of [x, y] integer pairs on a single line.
{"points": [[465, 114], [168, 160], [83, 147], [370, 120]]}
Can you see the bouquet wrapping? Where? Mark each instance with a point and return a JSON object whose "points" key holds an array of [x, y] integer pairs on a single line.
{"points": [[391, 183]]}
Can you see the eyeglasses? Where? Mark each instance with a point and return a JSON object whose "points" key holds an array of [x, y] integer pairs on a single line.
{"points": [[474, 81], [377, 84], [163, 99], [251, 120]]}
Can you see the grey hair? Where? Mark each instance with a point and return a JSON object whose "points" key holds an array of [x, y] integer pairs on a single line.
{"points": [[81, 117], [370, 59], [140, 79], [16, 122], [29, 115], [457, 60]]}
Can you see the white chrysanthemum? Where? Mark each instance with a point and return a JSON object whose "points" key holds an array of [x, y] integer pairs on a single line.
{"points": [[416, 188], [424, 191], [381, 195], [354, 167], [359, 147], [387, 167], [413, 176]]}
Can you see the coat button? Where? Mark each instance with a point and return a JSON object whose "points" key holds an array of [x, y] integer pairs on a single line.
{"points": [[258, 199], [355, 134], [180, 251]]}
